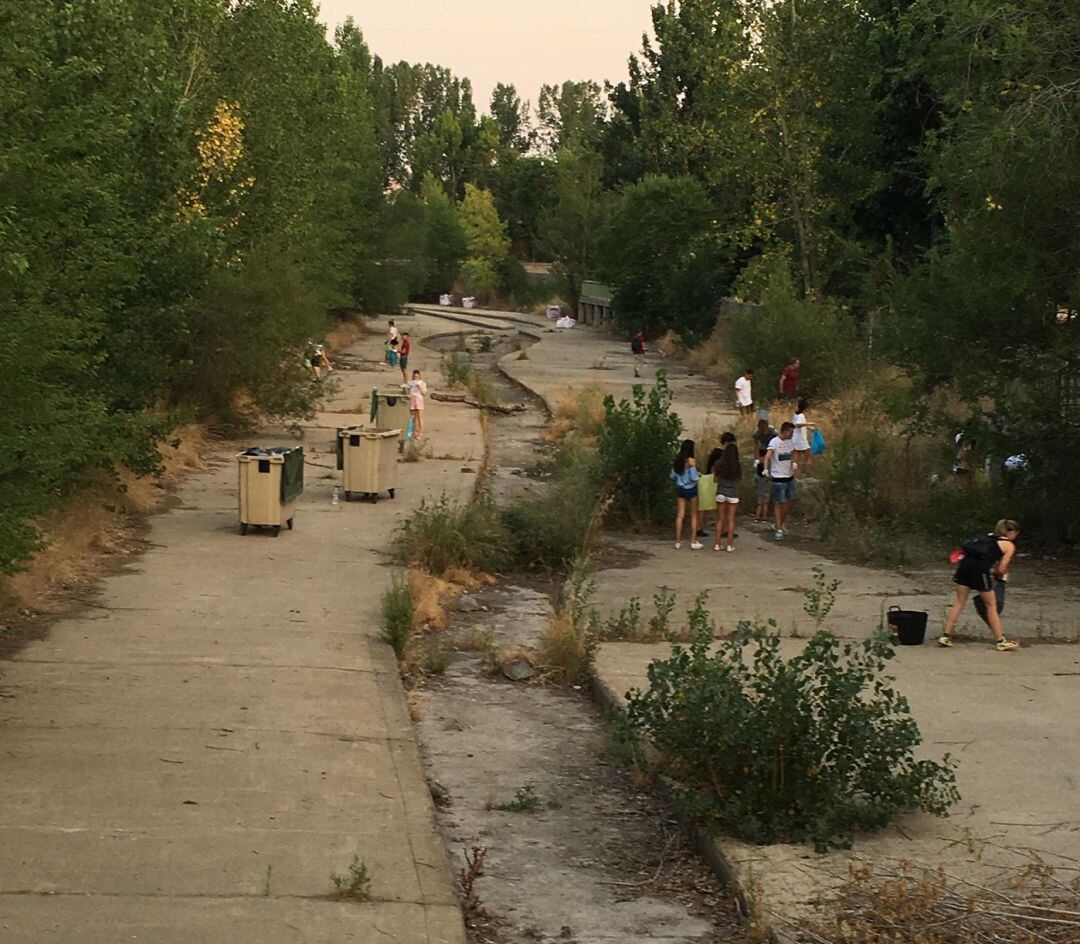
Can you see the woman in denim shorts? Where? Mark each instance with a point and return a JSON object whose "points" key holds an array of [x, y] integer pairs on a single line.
{"points": [[685, 475]]}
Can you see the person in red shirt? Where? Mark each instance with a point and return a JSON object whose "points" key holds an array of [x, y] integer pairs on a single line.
{"points": [[789, 381], [403, 353]]}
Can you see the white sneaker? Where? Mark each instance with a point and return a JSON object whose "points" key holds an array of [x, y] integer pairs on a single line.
{"points": [[678, 544], [716, 547], [779, 535], [730, 548], [696, 545]]}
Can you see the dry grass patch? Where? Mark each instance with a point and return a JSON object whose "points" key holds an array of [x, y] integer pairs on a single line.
{"points": [[345, 333], [577, 411], [99, 523], [432, 595]]}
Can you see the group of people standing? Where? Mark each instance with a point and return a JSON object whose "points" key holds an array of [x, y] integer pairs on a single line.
{"points": [[398, 349]]}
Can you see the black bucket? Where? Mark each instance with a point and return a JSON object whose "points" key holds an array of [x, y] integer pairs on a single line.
{"points": [[908, 625]]}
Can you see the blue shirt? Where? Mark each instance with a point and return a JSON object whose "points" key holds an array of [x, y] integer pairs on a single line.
{"points": [[688, 478]]}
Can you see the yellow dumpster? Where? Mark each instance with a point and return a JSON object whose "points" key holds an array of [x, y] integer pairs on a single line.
{"points": [[390, 409], [367, 458], [270, 481]]}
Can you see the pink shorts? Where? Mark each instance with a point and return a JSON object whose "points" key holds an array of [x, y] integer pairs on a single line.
{"points": [[416, 403]]}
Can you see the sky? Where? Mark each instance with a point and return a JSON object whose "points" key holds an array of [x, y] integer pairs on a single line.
{"points": [[489, 41]]}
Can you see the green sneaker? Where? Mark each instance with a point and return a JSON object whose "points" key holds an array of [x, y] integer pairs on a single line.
{"points": [[945, 641], [1006, 645]]}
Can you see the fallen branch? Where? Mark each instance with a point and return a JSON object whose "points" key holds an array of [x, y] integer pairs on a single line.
{"points": [[472, 401]]}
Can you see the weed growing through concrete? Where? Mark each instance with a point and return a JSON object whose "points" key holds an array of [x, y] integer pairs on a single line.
{"points": [[526, 800], [398, 617], [436, 659], [355, 884], [467, 876], [820, 597]]}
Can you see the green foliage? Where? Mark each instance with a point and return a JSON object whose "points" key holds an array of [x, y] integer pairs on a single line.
{"points": [[637, 445], [487, 241], [570, 225], [560, 523], [567, 648], [397, 606], [526, 800], [656, 253], [445, 242], [355, 884], [443, 535], [814, 748], [820, 597], [820, 333]]}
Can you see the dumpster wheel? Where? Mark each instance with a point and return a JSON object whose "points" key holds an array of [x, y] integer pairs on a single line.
{"points": [[277, 530], [348, 496], [289, 523], [391, 492], [243, 528]]}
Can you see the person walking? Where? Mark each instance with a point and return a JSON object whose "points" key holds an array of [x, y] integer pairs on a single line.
{"points": [[763, 435], [801, 438], [403, 355], [744, 395], [417, 392], [789, 381], [393, 340], [728, 472], [637, 348], [986, 557], [781, 467], [685, 475]]}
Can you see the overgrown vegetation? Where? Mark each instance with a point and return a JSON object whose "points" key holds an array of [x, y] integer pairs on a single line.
{"points": [[637, 442], [817, 747], [443, 535], [398, 617]]}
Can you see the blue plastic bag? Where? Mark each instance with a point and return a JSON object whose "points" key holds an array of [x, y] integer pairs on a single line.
{"points": [[817, 443]]}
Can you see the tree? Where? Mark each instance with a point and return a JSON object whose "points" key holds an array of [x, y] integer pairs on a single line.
{"points": [[651, 250], [570, 225], [511, 116], [570, 115], [488, 243], [446, 245]]}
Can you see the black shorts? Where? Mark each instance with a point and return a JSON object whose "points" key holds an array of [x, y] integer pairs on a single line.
{"points": [[974, 574], [404, 361]]}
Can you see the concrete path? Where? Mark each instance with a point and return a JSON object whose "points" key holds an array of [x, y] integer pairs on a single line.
{"points": [[190, 756]]}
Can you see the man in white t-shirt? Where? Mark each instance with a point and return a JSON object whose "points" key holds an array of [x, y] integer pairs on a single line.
{"points": [[780, 466], [744, 396]]}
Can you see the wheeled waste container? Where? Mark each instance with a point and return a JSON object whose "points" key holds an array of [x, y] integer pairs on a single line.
{"points": [[270, 480], [367, 458], [390, 409]]}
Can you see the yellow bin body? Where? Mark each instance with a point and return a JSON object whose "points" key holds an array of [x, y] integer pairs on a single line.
{"points": [[260, 492], [369, 460], [393, 415]]}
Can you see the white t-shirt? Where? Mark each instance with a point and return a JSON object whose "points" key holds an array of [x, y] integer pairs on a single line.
{"points": [[742, 392], [393, 333], [780, 465], [801, 437]]}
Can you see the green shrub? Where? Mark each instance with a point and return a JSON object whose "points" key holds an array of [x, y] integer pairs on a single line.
{"points": [[442, 535], [397, 608], [560, 523], [823, 335], [456, 369], [637, 445], [816, 747]]}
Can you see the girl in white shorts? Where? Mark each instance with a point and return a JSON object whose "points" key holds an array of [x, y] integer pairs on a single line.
{"points": [[728, 472]]}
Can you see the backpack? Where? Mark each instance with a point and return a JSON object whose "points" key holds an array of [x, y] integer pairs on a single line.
{"points": [[636, 345], [980, 547]]}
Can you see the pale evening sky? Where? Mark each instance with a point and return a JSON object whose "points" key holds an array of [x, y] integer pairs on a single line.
{"points": [[526, 42]]}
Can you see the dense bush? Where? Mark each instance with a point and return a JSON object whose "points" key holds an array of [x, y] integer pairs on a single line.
{"points": [[816, 747], [636, 447], [443, 535], [560, 523], [766, 336]]}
